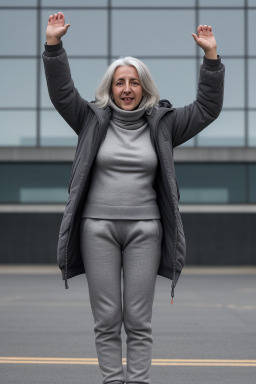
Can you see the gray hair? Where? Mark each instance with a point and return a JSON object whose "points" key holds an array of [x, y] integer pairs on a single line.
{"points": [[150, 92]]}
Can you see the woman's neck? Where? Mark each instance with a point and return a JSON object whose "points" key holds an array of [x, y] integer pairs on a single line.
{"points": [[127, 119]]}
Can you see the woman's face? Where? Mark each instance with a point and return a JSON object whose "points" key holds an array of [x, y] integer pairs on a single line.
{"points": [[126, 88]]}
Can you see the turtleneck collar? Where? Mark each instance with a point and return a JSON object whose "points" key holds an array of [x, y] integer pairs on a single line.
{"points": [[127, 119]]}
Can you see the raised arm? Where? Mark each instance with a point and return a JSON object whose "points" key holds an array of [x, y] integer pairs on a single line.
{"points": [[63, 94], [193, 118]]}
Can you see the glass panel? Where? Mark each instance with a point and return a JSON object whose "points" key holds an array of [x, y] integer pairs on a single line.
{"points": [[189, 143], [251, 32], [18, 84], [226, 131], [234, 83], [212, 183], [86, 74], [226, 43], [252, 83], [252, 128], [221, 3], [175, 79], [82, 24], [24, 3], [252, 3], [34, 183], [74, 3], [252, 183], [153, 33], [18, 128], [55, 131], [153, 3], [23, 42]]}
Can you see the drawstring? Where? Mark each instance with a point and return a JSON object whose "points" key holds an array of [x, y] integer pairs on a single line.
{"points": [[66, 281], [172, 293], [173, 284]]}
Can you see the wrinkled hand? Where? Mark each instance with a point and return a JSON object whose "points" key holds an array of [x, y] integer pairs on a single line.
{"points": [[206, 40], [56, 27]]}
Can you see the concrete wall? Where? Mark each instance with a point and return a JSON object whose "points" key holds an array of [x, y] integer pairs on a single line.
{"points": [[212, 238]]}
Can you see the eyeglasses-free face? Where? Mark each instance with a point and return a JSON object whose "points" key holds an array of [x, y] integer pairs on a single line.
{"points": [[126, 88]]}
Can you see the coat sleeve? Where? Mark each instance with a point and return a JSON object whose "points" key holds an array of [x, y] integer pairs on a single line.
{"points": [[188, 121], [63, 94]]}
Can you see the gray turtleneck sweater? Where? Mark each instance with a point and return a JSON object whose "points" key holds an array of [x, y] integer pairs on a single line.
{"points": [[124, 170]]}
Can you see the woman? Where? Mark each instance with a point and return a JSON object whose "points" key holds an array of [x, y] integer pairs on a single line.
{"points": [[122, 211]]}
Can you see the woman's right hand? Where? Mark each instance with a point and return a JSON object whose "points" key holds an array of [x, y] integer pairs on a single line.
{"points": [[56, 28]]}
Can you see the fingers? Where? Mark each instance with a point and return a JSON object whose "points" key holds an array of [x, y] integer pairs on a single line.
{"points": [[56, 16], [206, 29], [199, 29]]}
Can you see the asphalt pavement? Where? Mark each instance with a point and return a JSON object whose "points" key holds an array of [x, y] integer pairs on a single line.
{"points": [[207, 336]]}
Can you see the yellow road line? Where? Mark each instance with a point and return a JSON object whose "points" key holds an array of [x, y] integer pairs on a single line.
{"points": [[156, 362]]}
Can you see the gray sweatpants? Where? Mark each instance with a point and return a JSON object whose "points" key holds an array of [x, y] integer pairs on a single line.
{"points": [[106, 246]]}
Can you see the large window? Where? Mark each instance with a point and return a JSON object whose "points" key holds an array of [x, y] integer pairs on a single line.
{"points": [[100, 32], [34, 183], [216, 183]]}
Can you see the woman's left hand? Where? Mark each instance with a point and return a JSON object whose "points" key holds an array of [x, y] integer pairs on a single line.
{"points": [[206, 41]]}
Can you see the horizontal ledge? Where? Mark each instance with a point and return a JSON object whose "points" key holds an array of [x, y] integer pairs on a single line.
{"points": [[184, 208], [66, 154], [32, 208], [217, 208], [38, 154], [215, 154]]}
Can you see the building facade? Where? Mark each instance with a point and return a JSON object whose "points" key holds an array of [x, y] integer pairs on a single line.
{"points": [[216, 170]]}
